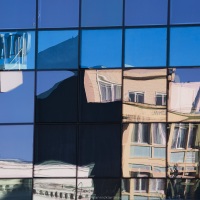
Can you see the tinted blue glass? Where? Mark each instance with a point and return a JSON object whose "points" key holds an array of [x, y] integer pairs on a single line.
{"points": [[16, 96], [17, 14], [16, 151], [145, 12], [145, 47], [185, 11], [101, 48], [17, 50], [102, 12], [62, 13], [52, 104], [57, 49], [185, 46]]}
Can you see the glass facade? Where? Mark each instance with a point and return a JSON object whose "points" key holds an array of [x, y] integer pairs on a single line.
{"points": [[100, 99]]}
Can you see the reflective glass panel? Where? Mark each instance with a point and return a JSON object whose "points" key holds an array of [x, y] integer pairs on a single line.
{"points": [[145, 47], [16, 96], [185, 46], [184, 11], [145, 12], [17, 50], [139, 95], [16, 189], [55, 151], [184, 94], [52, 104], [17, 14], [183, 188], [99, 151], [58, 14], [57, 50], [16, 151], [101, 48], [102, 12], [54, 189], [100, 99]]}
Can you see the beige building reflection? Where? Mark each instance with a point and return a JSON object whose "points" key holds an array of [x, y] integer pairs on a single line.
{"points": [[144, 150], [102, 86], [144, 95], [141, 188], [184, 100], [183, 151]]}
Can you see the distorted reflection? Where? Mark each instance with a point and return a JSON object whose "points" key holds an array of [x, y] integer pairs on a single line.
{"points": [[183, 150], [183, 189], [100, 99], [54, 189], [16, 151], [57, 50], [15, 189], [52, 104], [143, 189], [16, 50], [184, 95], [144, 95], [144, 150], [103, 85]]}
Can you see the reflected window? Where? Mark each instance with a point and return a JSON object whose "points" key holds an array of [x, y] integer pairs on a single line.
{"points": [[159, 133], [180, 137], [145, 47], [137, 97], [157, 185], [145, 12], [161, 99], [101, 13], [140, 185], [17, 50], [142, 133], [101, 48], [57, 50], [58, 14]]}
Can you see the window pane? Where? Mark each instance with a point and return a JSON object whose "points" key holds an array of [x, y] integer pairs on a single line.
{"points": [[145, 47], [18, 189], [57, 158], [99, 151], [52, 104], [159, 133], [57, 50], [191, 157], [101, 48], [17, 50], [97, 100], [159, 153], [17, 14], [145, 12], [58, 14], [17, 97], [142, 85], [177, 157], [185, 46], [102, 12], [138, 151], [185, 11], [192, 136], [16, 151]]}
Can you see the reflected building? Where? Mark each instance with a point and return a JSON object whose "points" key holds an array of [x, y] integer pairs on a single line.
{"points": [[184, 100], [183, 151], [141, 188], [14, 48], [103, 86], [144, 150], [19, 189], [144, 95]]}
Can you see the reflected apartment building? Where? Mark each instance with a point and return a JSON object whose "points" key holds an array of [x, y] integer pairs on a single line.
{"points": [[144, 95], [184, 100], [103, 86]]}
